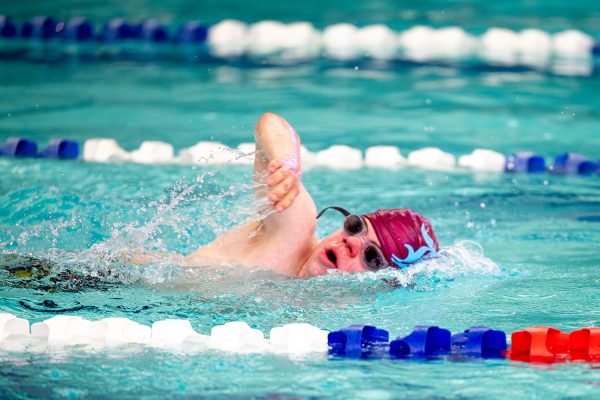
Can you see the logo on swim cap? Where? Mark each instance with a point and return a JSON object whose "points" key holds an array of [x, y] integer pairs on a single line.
{"points": [[415, 255], [404, 235]]}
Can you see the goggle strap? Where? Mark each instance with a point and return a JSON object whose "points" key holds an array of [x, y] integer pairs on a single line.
{"points": [[340, 209]]}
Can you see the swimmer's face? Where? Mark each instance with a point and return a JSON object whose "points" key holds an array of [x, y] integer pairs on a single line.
{"points": [[341, 251]]}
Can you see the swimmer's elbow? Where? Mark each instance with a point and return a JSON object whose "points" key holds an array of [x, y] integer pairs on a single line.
{"points": [[267, 120]]}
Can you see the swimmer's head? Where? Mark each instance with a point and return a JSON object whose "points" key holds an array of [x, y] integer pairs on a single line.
{"points": [[404, 235], [370, 242]]}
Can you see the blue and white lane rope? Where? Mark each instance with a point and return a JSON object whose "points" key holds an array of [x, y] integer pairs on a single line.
{"points": [[301, 41], [354, 341], [338, 157]]}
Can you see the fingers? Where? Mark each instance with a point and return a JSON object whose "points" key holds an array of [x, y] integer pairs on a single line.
{"points": [[274, 166], [288, 199], [275, 178], [284, 185], [282, 188]]}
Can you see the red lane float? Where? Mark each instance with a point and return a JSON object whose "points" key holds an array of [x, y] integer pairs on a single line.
{"points": [[584, 344], [543, 344]]}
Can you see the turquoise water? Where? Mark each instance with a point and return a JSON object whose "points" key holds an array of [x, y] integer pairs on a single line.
{"points": [[519, 250]]}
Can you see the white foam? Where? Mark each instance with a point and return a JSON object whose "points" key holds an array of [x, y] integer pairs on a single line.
{"points": [[388, 157], [377, 41], [432, 158], [228, 38], [246, 154], [153, 152], [339, 157], [103, 150], [483, 160], [340, 41], [298, 338]]}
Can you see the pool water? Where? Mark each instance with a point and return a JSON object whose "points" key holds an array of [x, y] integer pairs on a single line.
{"points": [[518, 250]]}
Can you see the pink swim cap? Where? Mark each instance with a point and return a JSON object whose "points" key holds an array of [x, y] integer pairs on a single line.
{"points": [[405, 236]]}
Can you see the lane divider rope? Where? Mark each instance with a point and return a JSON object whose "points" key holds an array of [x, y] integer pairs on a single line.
{"points": [[301, 41], [538, 344], [338, 157]]}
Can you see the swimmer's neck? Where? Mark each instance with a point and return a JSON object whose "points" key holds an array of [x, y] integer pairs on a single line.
{"points": [[303, 270]]}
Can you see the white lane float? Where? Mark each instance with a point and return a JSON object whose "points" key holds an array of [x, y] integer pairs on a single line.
{"points": [[228, 38], [416, 43], [11, 326], [237, 337], [301, 42], [377, 41], [500, 46], [266, 38], [171, 332], [298, 338], [386, 157], [208, 153], [103, 150], [153, 152], [432, 158], [340, 41], [339, 157], [572, 43], [483, 160], [535, 47]]}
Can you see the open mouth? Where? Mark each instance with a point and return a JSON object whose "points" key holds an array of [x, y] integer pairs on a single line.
{"points": [[329, 258]]}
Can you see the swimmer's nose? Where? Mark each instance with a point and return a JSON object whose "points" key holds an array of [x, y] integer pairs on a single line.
{"points": [[353, 244]]}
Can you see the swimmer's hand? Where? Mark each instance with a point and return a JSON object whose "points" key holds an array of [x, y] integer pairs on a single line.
{"points": [[284, 184]]}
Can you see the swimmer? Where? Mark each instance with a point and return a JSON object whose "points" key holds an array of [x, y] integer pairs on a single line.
{"points": [[285, 240]]}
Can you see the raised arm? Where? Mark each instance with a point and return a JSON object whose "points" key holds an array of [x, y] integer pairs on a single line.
{"points": [[278, 158]]}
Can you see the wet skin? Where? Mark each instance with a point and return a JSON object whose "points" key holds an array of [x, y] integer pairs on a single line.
{"points": [[340, 251]]}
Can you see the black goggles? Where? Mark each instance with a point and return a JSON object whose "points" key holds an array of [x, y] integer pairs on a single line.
{"points": [[355, 225]]}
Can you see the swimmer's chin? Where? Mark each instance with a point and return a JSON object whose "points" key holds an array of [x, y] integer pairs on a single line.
{"points": [[313, 267]]}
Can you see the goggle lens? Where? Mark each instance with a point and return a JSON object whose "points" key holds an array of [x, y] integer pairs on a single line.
{"points": [[354, 225]]}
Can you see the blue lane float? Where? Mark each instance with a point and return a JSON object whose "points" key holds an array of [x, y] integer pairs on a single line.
{"points": [[525, 161], [41, 28], [358, 341], [7, 28], [78, 29], [573, 164], [426, 342], [19, 147], [480, 342], [117, 29], [192, 32], [61, 149], [151, 30]]}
